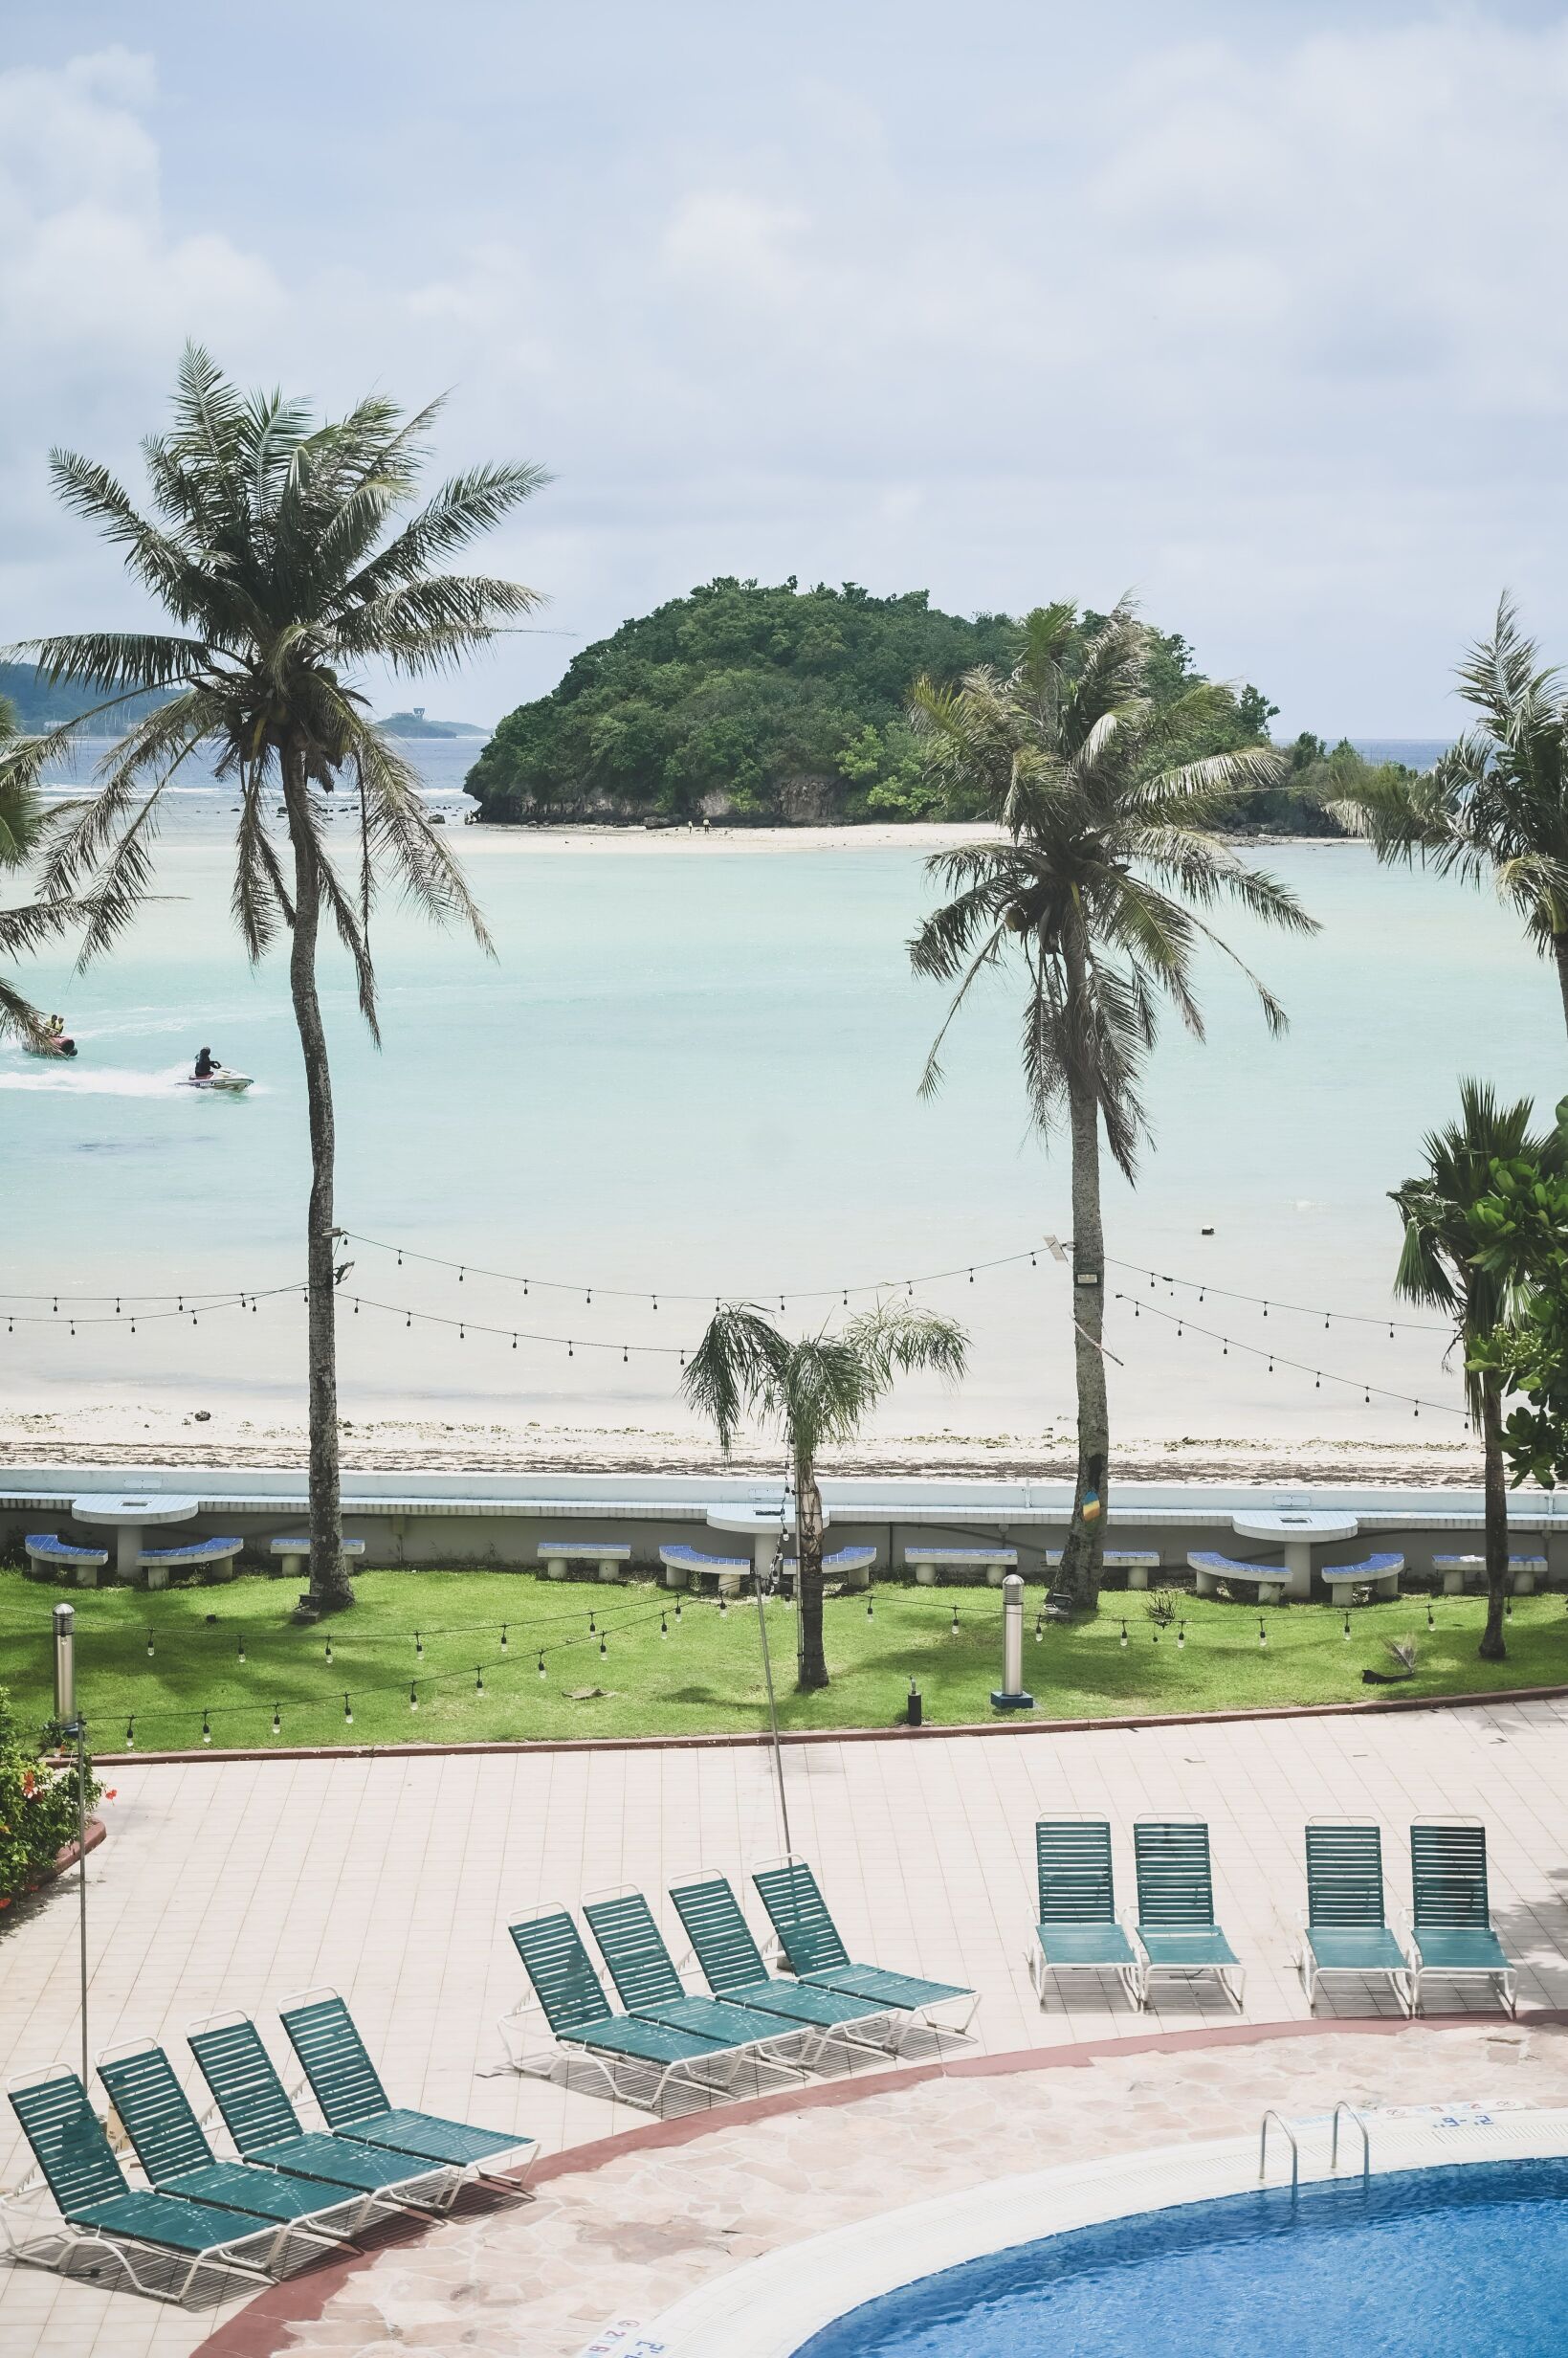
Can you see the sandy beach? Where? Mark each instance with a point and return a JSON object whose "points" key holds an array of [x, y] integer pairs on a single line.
{"points": [[88, 1435]]}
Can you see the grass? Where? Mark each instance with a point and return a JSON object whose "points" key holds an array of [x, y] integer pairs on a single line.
{"points": [[705, 1676]]}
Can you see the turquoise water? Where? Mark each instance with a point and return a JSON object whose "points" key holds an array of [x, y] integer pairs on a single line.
{"points": [[692, 1068], [1436, 2263]]}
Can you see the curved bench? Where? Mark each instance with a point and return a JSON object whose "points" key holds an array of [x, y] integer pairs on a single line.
{"points": [[159, 1562], [998, 1561], [1208, 1567], [685, 1568], [1456, 1570], [1380, 1573], [851, 1565], [47, 1547], [607, 1553], [294, 1550]]}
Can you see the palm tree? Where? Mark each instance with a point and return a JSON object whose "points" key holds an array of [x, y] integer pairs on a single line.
{"points": [[1439, 1268], [815, 1392], [283, 554], [1497, 800], [1107, 859], [25, 928]]}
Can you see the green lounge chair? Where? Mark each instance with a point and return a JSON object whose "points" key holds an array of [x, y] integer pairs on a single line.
{"points": [[638, 2059], [733, 1967], [1451, 1938], [1344, 1929], [1078, 1931], [650, 1986], [265, 2127], [1176, 1928], [162, 2241], [344, 2082], [172, 2148], [815, 1952]]}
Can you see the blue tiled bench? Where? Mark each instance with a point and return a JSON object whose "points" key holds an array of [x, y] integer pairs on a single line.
{"points": [[295, 1549], [47, 1547], [997, 1562], [1456, 1570], [1138, 1563], [1380, 1573], [688, 1567], [851, 1565], [159, 1562], [608, 1554], [1269, 1578]]}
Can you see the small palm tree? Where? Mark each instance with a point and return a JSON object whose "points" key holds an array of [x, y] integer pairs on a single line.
{"points": [[25, 928], [1497, 801], [814, 1392], [1438, 1267], [283, 554], [1108, 860]]}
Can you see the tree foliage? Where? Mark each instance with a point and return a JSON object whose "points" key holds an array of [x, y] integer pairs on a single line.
{"points": [[37, 1810], [766, 702], [1519, 1232]]}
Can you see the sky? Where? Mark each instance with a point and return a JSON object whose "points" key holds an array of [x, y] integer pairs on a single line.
{"points": [[1255, 312]]}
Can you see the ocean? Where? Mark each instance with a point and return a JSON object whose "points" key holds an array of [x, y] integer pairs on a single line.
{"points": [[690, 1071]]}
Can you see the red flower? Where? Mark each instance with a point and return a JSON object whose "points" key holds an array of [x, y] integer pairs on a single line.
{"points": [[112, 1793], [29, 1781]]}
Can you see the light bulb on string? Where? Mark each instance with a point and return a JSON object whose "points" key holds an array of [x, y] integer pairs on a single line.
{"points": [[677, 1608], [130, 1735], [348, 1712], [542, 1665], [240, 1650], [503, 1637], [1262, 1635], [723, 1603], [1123, 1639], [664, 1625], [1180, 1637], [277, 1723], [150, 1645], [602, 1649], [419, 1647], [329, 1649], [207, 1728], [871, 1609], [954, 1629], [479, 1679], [1347, 1625]]}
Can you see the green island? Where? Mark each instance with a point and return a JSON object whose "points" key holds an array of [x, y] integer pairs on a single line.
{"points": [[698, 1672], [770, 704]]}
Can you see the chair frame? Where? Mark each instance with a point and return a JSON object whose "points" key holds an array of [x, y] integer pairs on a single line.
{"points": [[1504, 1977], [1308, 1966], [804, 2038], [1232, 1978], [854, 2032], [926, 2013]]}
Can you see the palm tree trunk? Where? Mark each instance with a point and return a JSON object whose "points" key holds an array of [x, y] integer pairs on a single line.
{"points": [[330, 1589], [1491, 1648], [1084, 1550], [1559, 952], [811, 1670]]}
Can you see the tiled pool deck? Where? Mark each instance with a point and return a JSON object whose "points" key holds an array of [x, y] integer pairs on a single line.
{"points": [[394, 1880]]}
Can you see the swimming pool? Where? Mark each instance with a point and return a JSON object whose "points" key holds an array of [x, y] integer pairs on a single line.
{"points": [[1449, 2262]]}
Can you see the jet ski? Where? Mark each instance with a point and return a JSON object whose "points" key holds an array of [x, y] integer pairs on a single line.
{"points": [[222, 1079], [57, 1044]]}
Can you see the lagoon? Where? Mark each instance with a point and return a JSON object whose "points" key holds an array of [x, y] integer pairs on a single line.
{"points": [[693, 1066]]}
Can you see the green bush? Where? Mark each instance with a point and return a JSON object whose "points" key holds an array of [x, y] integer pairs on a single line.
{"points": [[37, 1810]]}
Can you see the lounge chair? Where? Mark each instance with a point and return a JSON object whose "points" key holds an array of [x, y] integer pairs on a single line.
{"points": [[1078, 1931], [347, 2085], [265, 2127], [1451, 1938], [649, 1985], [161, 2241], [1176, 1928], [172, 2148], [639, 2059], [1344, 1929], [733, 1967], [815, 1952]]}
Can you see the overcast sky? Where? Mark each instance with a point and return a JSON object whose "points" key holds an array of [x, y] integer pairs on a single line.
{"points": [[1257, 311]]}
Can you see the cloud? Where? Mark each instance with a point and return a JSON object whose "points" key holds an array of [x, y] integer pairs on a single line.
{"points": [[1269, 324]]}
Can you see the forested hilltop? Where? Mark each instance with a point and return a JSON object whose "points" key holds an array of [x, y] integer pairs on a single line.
{"points": [[771, 705]]}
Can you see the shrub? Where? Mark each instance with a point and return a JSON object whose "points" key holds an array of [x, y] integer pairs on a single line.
{"points": [[37, 1808]]}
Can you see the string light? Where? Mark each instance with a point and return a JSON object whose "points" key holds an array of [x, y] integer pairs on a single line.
{"points": [[130, 1735], [1262, 1635], [207, 1729], [1123, 1639], [150, 1645], [954, 1630], [479, 1679], [277, 1723], [413, 1696], [1347, 1625], [1352, 1383], [240, 1654], [329, 1649], [348, 1712]]}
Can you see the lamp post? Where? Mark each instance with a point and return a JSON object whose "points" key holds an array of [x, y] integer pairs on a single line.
{"points": [[1010, 1695], [70, 1724]]}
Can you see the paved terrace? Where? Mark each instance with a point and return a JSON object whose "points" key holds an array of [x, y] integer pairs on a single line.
{"points": [[227, 1884]]}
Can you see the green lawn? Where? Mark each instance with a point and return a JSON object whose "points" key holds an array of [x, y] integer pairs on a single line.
{"points": [[705, 1676]]}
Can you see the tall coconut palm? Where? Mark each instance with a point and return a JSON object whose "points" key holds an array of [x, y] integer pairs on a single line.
{"points": [[284, 555], [26, 927], [1497, 801], [1105, 862], [814, 1392], [1439, 1268]]}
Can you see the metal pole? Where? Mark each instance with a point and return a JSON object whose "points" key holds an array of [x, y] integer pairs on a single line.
{"points": [[1010, 1694], [767, 1671], [70, 1722]]}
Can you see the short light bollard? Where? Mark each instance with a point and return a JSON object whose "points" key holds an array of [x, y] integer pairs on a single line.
{"points": [[1011, 1695]]}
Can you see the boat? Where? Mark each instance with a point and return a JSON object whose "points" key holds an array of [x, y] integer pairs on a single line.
{"points": [[234, 1082]]}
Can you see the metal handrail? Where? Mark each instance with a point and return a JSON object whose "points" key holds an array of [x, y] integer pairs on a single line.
{"points": [[1351, 2113], [1290, 2136]]}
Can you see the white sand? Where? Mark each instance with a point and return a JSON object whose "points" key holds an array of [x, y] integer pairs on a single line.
{"points": [[916, 838], [252, 1435]]}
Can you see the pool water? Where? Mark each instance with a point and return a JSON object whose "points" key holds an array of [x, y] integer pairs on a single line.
{"points": [[1468, 2262]]}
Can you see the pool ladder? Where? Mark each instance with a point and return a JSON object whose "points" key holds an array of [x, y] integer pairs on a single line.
{"points": [[1342, 2110]]}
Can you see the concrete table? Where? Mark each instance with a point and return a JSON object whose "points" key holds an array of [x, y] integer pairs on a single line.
{"points": [[764, 1526], [128, 1514], [1296, 1530]]}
